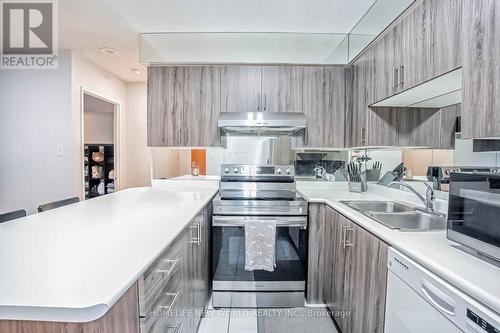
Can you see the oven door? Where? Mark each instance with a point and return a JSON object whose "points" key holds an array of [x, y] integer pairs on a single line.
{"points": [[474, 208], [228, 253]]}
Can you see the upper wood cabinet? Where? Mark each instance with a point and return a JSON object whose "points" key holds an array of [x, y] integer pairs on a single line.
{"points": [[241, 89], [184, 102], [324, 107], [282, 88], [355, 274], [262, 88], [424, 44], [481, 69], [183, 106]]}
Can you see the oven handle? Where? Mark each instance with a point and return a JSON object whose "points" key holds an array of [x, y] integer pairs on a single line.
{"points": [[239, 221]]}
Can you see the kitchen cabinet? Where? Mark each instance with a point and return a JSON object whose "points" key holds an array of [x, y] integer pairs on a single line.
{"points": [[481, 69], [178, 281], [355, 275], [335, 269], [424, 44], [282, 88], [196, 254], [358, 86], [183, 106], [315, 254], [324, 108], [262, 88], [241, 89], [164, 108]]}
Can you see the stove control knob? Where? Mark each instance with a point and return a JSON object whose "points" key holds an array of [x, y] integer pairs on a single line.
{"points": [[288, 171], [235, 170], [226, 170], [279, 171]]}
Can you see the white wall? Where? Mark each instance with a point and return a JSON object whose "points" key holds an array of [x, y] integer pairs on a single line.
{"points": [[99, 127], [138, 154], [86, 76], [35, 117], [40, 110]]}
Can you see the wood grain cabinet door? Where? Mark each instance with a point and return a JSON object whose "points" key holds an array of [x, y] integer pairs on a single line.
{"points": [[201, 106], [241, 89], [366, 272], [481, 69], [282, 88], [324, 107], [165, 105], [445, 35], [336, 290]]}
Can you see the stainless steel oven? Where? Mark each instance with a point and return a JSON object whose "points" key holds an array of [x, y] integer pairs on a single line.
{"points": [[474, 212], [233, 286]]}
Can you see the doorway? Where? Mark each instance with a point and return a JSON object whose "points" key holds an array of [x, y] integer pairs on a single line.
{"points": [[100, 146]]}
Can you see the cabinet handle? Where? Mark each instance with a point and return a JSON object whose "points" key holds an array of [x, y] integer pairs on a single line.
{"points": [[265, 102], [171, 268], [401, 75], [180, 137], [176, 327], [395, 78], [346, 243], [363, 134], [171, 305], [258, 102], [197, 239], [342, 235]]}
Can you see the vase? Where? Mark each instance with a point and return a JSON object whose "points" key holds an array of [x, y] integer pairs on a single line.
{"points": [[100, 188]]}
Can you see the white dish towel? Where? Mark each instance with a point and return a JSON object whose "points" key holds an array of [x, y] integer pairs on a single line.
{"points": [[260, 245]]}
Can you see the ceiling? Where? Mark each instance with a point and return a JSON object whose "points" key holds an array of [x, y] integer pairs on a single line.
{"points": [[86, 26]]}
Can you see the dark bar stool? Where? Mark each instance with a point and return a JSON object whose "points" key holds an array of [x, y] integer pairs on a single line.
{"points": [[56, 204], [12, 215]]}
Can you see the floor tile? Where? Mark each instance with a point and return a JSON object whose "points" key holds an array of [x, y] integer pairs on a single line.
{"points": [[215, 321], [243, 321]]}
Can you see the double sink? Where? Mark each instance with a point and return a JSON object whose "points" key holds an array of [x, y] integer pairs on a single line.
{"points": [[399, 216]]}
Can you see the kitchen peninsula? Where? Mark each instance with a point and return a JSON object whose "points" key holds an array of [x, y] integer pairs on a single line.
{"points": [[77, 265]]}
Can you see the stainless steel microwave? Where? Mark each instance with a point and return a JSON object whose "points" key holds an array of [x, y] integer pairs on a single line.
{"points": [[474, 211]]}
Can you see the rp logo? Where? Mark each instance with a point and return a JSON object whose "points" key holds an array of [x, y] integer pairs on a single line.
{"points": [[27, 28]]}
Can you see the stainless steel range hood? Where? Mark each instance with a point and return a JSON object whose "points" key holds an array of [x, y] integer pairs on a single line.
{"points": [[261, 123]]}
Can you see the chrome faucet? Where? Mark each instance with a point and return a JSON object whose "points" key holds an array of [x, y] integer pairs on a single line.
{"points": [[319, 172], [429, 195]]}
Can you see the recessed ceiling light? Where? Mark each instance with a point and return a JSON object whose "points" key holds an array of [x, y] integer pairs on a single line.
{"points": [[136, 71], [108, 50]]}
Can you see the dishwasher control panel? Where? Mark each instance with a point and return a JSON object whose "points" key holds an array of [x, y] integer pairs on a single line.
{"points": [[483, 325]]}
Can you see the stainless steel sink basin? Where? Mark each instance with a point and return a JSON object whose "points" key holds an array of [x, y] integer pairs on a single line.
{"points": [[410, 221], [379, 206], [398, 216]]}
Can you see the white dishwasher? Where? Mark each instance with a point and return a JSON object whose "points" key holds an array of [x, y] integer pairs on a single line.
{"points": [[419, 301]]}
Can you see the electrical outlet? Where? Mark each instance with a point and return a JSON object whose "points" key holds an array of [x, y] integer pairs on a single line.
{"points": [[59, 150]]}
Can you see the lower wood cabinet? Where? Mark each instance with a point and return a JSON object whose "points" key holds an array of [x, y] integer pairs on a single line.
{"points": [[196, 269], [174, 290], [354, 275]]}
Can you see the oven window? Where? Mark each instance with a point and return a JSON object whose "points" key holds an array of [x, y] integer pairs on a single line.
{"points": [[474, 207], [228, 244]]}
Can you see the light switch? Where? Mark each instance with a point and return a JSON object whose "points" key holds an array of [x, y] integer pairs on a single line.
{"points": [[60, 150]]}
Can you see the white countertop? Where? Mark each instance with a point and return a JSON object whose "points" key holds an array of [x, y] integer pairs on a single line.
{"points": [[73, 263], [479, 279]]}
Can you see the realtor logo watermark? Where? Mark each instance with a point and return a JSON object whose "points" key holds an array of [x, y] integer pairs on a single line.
{"points": [[29, 34]]}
